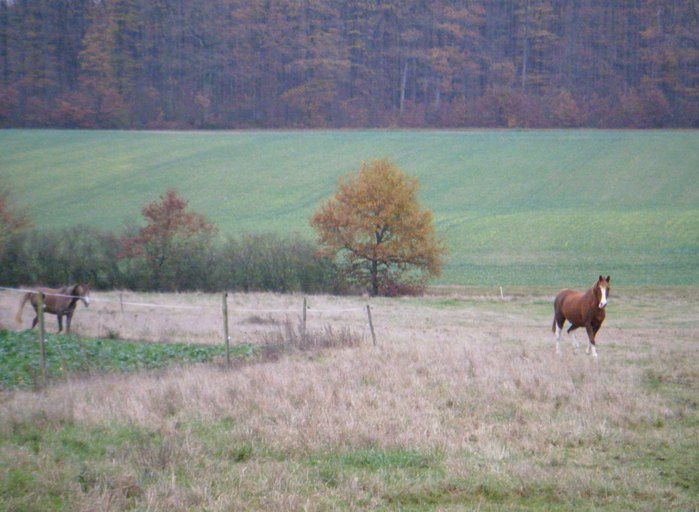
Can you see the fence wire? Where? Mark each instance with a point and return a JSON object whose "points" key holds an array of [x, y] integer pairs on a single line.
{"points": [[129, 320]]}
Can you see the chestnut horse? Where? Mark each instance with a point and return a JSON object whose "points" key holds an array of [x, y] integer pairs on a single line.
{"points": [[581, 310], [57, 301]]}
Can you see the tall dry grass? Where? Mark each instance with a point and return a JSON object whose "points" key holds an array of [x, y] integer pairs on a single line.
{"points": [[470, 384]]}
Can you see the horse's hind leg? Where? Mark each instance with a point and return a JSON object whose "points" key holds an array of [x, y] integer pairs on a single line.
{"points": [[60, 323], [559, 325], [35, 321], [574, 341]]}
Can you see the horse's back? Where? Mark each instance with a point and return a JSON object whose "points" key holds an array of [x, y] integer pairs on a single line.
{"points": [[54, 301], [564, 296]]}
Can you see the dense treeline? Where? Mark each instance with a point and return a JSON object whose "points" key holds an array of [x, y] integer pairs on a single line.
{"points": [[245, 263], [333, 63]]}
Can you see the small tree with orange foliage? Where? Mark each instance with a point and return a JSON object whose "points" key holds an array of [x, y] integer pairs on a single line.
{"points": [[376, 228], [171, 233]]}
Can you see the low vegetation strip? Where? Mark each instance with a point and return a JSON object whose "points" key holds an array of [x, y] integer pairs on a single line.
{"points": [[20, 360]]}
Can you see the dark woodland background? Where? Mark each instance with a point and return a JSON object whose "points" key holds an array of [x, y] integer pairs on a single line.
{"points": [[323, 63]]}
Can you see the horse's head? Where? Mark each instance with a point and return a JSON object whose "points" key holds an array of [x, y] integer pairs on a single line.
{"points": [[82, 291], [602, 291]]}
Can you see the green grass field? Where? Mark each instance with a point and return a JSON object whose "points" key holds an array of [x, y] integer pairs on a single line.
{"points": [[516, 207]]}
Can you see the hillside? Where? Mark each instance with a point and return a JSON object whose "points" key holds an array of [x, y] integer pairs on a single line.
{"points": [[517, 207]]}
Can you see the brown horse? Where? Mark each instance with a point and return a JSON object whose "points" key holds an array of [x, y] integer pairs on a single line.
{"points": [[57, 301], [581, 310]]}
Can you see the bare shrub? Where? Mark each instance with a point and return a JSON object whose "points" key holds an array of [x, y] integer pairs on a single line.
{"points": [[260, 320], [291, 335], [391, 287]]}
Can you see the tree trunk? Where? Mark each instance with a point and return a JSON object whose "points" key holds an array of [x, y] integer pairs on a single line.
{"points": [[374, 278]]}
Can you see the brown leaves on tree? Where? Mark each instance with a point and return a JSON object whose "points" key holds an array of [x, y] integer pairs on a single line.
{"points": [[170, 225], [375, 225]]}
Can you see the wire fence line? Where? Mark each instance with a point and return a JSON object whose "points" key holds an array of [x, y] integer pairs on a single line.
{"points": [[177, 306]]}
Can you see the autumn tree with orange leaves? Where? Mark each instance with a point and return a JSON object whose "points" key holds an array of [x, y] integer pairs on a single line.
{"points": [[171, 235], [375, 228]]}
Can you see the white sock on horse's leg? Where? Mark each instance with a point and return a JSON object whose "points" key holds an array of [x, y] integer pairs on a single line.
{"points": [[594, 352], [558, 337], [587, 350], [575, 340]]}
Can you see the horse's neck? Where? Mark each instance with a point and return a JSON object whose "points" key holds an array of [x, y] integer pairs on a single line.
{"points": [[591, 299]]}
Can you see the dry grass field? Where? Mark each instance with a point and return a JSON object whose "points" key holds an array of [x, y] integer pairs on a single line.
{"points": [[463, 406]]}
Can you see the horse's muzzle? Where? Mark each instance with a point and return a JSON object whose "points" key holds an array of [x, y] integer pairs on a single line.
{"points": [[602, 305]]}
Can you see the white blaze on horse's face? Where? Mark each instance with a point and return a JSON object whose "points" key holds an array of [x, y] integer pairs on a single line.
{"points": [[603, 300]]}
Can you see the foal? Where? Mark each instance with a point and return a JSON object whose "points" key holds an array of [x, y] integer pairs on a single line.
{"points": [[581, 310], [58, 301]]}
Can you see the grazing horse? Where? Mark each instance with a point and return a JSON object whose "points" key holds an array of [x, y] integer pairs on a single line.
{"points": [[57, 301], [581, 310]]}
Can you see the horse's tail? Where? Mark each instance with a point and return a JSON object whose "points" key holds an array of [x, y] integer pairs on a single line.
{"points": [[18, 317], [553, 327]]}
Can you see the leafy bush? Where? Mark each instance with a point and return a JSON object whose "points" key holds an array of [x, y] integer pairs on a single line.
{"points": [[247, 263]]}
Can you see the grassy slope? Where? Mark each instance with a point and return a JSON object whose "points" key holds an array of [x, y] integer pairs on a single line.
{"points": [[518, 207]]}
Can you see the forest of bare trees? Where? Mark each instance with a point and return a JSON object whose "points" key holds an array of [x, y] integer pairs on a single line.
{"points": [[349, 63]]}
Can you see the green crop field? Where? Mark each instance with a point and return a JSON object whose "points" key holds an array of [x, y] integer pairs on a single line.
{"points": [[516, 207], [20, 358]]}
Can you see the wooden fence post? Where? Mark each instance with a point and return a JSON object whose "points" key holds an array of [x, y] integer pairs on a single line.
{"points": [[42, 334], [303, 324], [121, 301], [371, 324], [227, 338]]}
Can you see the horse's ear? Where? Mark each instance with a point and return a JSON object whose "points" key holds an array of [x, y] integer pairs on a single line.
{"points": [[609, 278]]}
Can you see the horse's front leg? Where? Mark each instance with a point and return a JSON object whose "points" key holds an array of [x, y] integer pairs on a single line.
{"points": [[591, 341], [60, 323], [69, 317], [35, 321]]}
